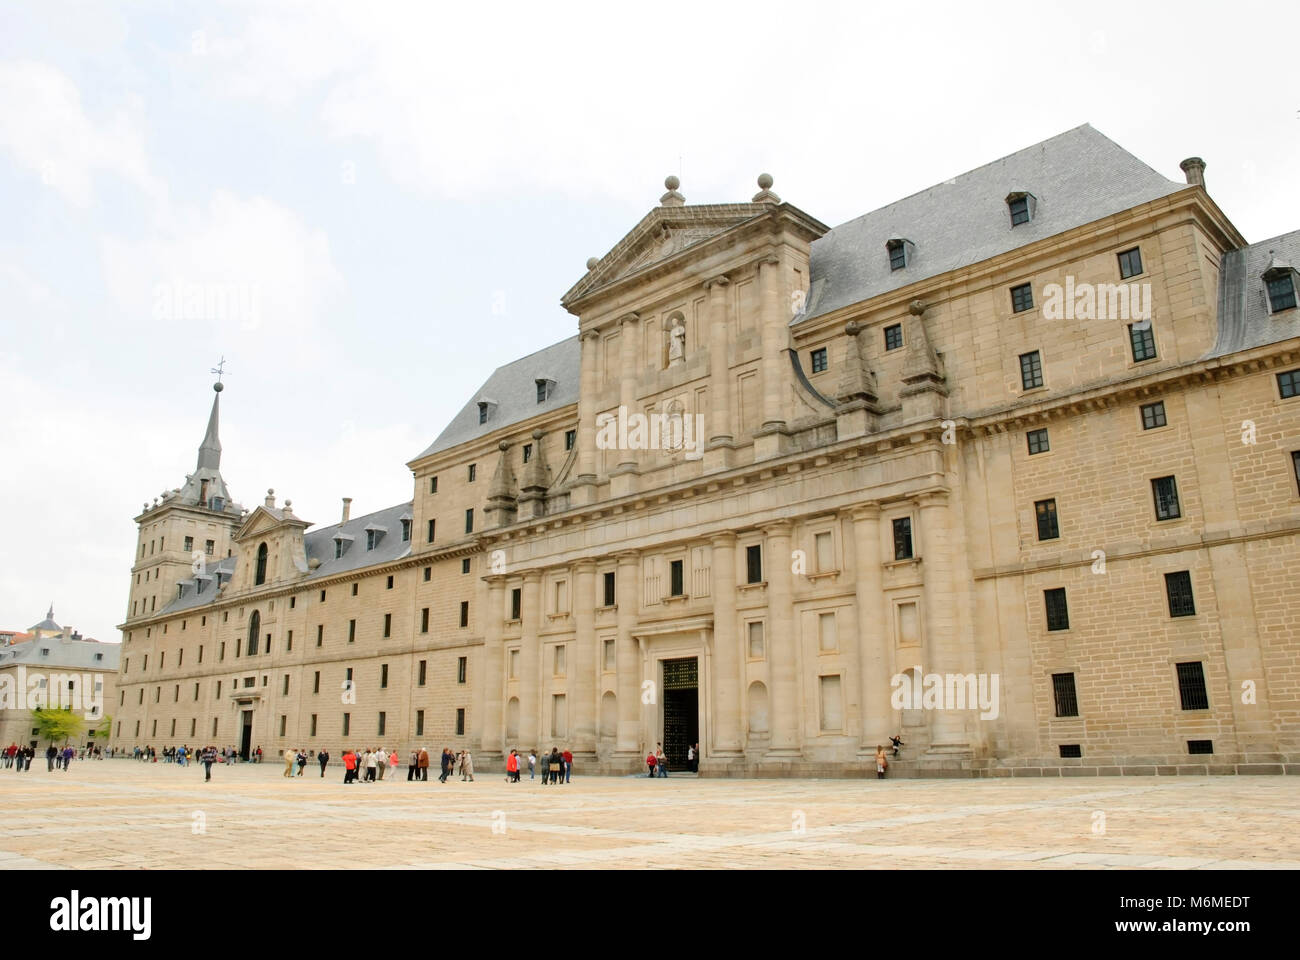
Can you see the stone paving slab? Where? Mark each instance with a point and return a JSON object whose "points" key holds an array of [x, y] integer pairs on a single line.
{"points": [[122, 814]]}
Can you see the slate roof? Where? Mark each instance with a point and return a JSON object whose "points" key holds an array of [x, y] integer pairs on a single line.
{"points": [[1076, 178], [319, 545], [1244, 318], [68, 654], [513, 387]]}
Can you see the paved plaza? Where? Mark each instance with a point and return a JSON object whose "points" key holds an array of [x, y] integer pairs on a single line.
{"points": [[124, 814]]}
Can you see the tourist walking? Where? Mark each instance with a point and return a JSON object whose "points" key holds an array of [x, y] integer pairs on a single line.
{"points": [[349, 765], [289, 758], [372, 764], [51, 752], [532, 763], [392, 765], [209, 758], [381, 761], [445, 762], [467, 766], [512, 767], [567, 757], [661, 762], [324, 758], [882, 763], [302, 762], [650, 761], [423, 762]]}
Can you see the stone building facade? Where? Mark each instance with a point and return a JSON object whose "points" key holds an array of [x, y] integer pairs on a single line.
{"points": [[1010, 468]]}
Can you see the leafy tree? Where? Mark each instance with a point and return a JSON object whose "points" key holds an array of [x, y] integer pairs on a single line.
{"points": [[105, 728], [57, 724]]}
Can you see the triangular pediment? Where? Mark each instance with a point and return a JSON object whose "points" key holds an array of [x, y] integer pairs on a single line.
{"points": [[662, 234], [262, 521]]}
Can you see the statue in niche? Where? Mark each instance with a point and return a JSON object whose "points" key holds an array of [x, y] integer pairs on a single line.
{"points": [[677, 343]]}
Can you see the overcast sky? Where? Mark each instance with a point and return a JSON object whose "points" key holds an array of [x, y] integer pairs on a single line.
{"points": [[398, 194]]}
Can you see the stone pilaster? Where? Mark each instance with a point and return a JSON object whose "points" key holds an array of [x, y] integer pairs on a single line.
{"points": [[771, 440], [924, 382], [874, 658], [942, 652], [583, 487], [585, 665], [856, 395], [492, 680], [718, 451], [629, 657], [622, 479], [784, 716], [727, 662], [530, 667]]}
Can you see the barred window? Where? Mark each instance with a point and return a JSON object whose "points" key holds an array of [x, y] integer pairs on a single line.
{"points": [[1191, 686], [1045, 513], [1178, 588], [1067, 701], [1058, 613], [1165, 491]]}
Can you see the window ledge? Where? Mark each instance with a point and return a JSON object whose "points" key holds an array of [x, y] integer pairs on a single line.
{"points": [[908, 561], [557, 616], [680, 598], [752, 586], [821, 574]]}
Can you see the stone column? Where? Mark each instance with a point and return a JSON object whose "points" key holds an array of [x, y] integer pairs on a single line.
{"points": [[623, 477], [784, 702], [530, 656], [492, 681], [775, 337], [874, 660], [585, 666], [628, 657], [718, 449], [727, 662], [584, 484], [942, 652]]}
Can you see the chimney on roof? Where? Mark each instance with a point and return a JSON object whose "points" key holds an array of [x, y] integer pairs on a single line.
{"points": [[1194, 168], [347, 509]]}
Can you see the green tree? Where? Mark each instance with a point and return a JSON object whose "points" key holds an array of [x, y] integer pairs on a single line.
{"points": [[105, 728], [57, 724]]}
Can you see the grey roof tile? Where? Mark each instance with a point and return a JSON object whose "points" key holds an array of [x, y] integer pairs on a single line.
{"points": [[1244, 318], [68, 654]]}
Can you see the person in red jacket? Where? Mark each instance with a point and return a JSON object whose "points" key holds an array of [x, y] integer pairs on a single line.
{"points": [[512, 767], [349, 766], [650, 762], [568, 765]]}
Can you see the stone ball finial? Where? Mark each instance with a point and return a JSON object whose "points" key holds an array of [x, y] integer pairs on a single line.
{"points": [[591, 263], [270, 491], [853, 328], [916, 307], [503, 446], [537, 434], [765, 181], [218, 386], [288, 504], [671, 182]]}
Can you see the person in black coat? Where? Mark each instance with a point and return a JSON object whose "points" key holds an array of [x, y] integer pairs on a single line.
{"points": [[324, 758]]}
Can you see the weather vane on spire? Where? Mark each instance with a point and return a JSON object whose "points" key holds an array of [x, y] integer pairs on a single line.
{"points": [[218, 369]]}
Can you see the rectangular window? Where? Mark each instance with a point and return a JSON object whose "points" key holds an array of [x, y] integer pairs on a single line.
{"points": [[570, 438], [1022, 298], [1143, 341], [320, 635], [1038, 442], [428, 574], [189, 544], [383, 723], [469, 520], [893, 336], [1067, 701], [284, 722], [390, 581], [352, 631], [1058, 613], [819, 360], [460, 721], [424, 620], [388, 625], [755, 631], [464, 565], [826, 638], [313, 724], [1165, 492], [897, 254], [433, 484], [561, 596], [1019, 210], [315, 682], [1153, 415], [1200, 746], [1071, 751], [208, 547], [419, 723], [559, 666], [903, 538], [1281, 293], [473, 471], [611, 654], [1045, 514], [288, 645], [516, 604], [1191, 686], [1295, 468], [322, 596], [383, 676], [1031, 370], [284, 691], [676, 587], [430, 535], [462, 669], [559, 716], [832, 704], [1130, 263], [528, 452], [1178, 589], [513, 672], [608, 578], [754, 564], [464, 613], [824, 549], [1288, 384], [347, 724], [422, 673]]}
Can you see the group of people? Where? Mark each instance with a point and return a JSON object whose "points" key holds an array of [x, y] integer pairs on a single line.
{"points": [[555, 767], [359, 766], [19, 758], [882, 759]]}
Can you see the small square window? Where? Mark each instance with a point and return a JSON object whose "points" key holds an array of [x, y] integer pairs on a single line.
{"points": [[1143, 341], [1130, 263], [1165, 492], [1178, 589], [1288, 384], [1070, 751], [1045, 514], [819, 360], [1038, 442], [893, 336], [1200, 746], [1031, 370], [1153, 415], [1058, 612], [903, 538]]}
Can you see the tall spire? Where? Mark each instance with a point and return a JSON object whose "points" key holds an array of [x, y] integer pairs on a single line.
{"points": [[210, 449]]}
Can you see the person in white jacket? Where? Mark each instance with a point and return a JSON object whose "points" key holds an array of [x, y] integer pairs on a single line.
{"points": [[372, 762], [289, 757]]}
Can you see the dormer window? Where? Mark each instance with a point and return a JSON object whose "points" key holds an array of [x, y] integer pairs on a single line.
{"points": [[544, 389], [370, 540], [218, 504], [900, 253], [180, 590], [374, 533], [406, 529], [1022, 207], [1279, 281], [341, 543], [485, 408]]}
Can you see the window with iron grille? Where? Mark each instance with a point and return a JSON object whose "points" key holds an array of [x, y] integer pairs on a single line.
{"points": [[1031, 370], [1200, 746], [754, 564], [1143, 341], [1130, 263], [893, 336], [609, 588], [1288, 384], [1191, 686], [903, 538], [1281, 293], [1153, 415], [676, 588], [819, 360], [1071, 751], [1067, 701], [1045, 513], [1058, 613], [1165, 492], [1038, 442], [1022, 298], [1178, 588]]}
